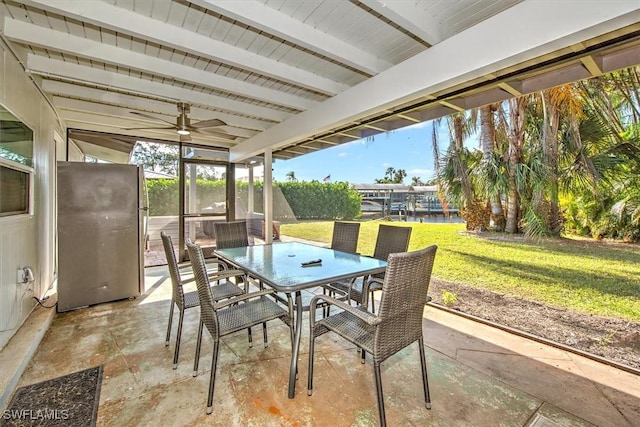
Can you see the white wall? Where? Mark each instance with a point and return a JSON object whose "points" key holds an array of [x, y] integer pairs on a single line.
{"points": [[28, 239]]}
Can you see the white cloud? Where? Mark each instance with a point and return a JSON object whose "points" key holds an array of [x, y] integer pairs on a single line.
{"points": [[343, 154], [418, 171]]}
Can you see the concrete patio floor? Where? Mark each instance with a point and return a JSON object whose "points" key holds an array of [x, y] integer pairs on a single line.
{"points": [[478, 375]]}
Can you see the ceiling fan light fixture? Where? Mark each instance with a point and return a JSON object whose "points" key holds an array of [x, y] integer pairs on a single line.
{"points": [[184, 132]]}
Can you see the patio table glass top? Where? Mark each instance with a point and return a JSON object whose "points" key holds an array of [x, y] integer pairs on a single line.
{"points": [[280, 264]]}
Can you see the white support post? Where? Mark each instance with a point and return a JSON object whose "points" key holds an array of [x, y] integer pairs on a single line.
{"points": [[251, 189], [268, 197]]}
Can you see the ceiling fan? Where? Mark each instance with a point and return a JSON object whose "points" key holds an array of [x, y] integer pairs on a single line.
{"points": [[183, 125]]}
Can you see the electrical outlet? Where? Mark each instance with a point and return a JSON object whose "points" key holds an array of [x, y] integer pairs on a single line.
{"points": [[20, 276]]}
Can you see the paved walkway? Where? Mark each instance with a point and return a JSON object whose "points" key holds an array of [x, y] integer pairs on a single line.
{"points": [[478, 375]]}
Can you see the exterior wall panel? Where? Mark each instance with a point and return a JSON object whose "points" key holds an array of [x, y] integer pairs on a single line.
{"points": [[27, 239]]}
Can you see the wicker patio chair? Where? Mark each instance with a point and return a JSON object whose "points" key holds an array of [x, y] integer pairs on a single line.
{"points": [[229, 316], [397, 324], [345, 239], [345, 236], [231, 234], [234, 234], [391, 239], [221, 289]]}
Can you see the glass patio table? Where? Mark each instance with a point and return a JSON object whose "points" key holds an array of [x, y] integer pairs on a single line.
{"points": [[280, 266]]}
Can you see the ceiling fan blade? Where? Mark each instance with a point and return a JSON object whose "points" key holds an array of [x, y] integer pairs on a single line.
{"points": [[211, 123], [152, 127], [217, 133], [149, 116]]}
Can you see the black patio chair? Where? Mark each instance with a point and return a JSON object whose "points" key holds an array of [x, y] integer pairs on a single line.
{"points": [[397, 324], [222, 288], [229, 316]]}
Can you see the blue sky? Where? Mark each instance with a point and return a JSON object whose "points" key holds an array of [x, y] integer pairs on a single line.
{"points": [[364, 161]]}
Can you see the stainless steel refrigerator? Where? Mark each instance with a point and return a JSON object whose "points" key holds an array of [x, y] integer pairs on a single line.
{"points": [[100, 233]]}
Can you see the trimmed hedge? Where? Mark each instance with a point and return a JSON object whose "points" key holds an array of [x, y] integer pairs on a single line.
{"points": [[292, 200]]}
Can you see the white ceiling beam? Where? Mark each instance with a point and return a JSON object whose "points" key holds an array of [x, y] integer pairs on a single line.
{"points": [[409, 16], [47, 38], [594, 66], [453, 106], [125, 114], [87, 121], [133, 24], [108, 80], [147, 105], [510, 88], [271, 21], [408, 118], [464, 57]]}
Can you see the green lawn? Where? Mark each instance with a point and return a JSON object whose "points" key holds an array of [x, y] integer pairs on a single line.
{"points": [[587, 276]]}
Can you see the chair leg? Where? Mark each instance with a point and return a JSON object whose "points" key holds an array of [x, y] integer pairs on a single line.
{"points": [[376, 370], [177, 350], [425, 380], [373, 304], [264, 335], [212, 378], [166, 343], [310, 376], [250, 337], [198, 344]]}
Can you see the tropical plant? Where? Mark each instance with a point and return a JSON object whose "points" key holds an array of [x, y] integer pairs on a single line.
{"points": [[392, 176], [291, 176]]}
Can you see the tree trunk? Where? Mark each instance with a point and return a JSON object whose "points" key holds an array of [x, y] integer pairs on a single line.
{"points": [[461, 168], [550, 147], [516, 143], [487, 141]]}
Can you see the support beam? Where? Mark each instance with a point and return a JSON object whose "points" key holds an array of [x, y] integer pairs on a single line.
{"points": [[544, 34], [269, 20], [594, 66], [108, 80], [268, 196], [417, 20], [31, 34], [136, 25], [510, 88], [453, 106], [125, 114]]}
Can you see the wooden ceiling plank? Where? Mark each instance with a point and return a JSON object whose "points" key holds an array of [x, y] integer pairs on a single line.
{"points": [[106, 79], [145, 104], [128, 22], [278, 24], [78, 46]]}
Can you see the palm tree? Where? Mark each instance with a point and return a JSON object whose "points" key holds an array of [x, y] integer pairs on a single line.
{"points": [[291, 176], [491, 164], [516, 122]]}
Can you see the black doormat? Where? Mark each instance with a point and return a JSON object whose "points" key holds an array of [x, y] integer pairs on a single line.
{"points": [[70, 400]]}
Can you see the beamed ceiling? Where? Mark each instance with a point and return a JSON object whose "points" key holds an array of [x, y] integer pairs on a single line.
{"points": [[294, 76]]}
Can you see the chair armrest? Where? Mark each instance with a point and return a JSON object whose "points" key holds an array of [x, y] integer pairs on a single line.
{"points": [[365, 316], [226, 274], [240, 298], [373, 284]]}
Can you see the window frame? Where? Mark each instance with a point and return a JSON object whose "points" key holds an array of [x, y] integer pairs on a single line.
{"points": [[30, 171]]}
